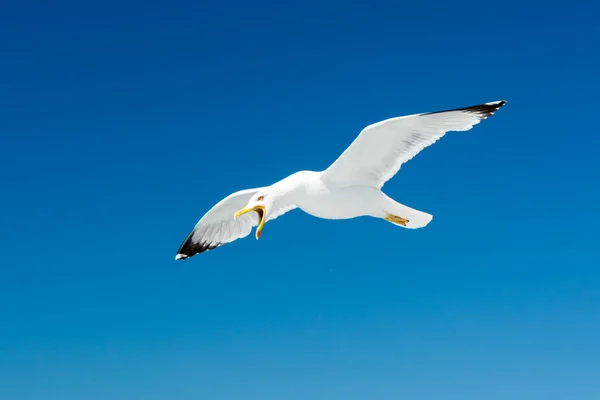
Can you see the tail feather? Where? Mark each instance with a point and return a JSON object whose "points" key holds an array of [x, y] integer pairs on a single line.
{"points": [[414, 218]]}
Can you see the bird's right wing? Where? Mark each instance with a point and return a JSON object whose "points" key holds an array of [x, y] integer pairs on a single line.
{"points": [[218, 226], [380, 149]]}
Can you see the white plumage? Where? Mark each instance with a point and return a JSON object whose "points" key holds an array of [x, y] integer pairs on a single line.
{"points": [[349, 188]]}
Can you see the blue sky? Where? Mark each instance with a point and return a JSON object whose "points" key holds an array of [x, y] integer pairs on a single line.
{"points": [[119, 122]]}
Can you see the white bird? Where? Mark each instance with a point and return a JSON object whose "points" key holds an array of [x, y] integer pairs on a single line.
{"points": [[348, 188]]}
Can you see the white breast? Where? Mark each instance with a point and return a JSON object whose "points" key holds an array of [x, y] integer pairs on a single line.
{"points": [[329, 201]]}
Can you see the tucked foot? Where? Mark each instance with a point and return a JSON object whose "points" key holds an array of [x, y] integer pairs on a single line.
{"points": [[394, 219]]}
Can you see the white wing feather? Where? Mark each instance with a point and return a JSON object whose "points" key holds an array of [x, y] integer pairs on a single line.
{"points": [[379, 151], [218, 226]]}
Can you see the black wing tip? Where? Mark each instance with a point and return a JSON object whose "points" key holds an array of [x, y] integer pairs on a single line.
{"points": [[189, 248], [481, 110]]}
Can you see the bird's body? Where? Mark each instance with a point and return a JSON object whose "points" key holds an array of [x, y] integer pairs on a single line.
{"points": [[327, 200], [349, 188], [322, 199], [309, 192]]}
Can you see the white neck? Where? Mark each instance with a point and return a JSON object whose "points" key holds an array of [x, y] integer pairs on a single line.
{"points": [[291, 190]]}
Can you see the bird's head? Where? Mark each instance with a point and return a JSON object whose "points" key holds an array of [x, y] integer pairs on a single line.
{"points": [[261, 204]]}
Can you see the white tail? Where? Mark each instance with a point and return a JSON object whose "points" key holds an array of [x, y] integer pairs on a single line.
{"points": [[404, 216]]}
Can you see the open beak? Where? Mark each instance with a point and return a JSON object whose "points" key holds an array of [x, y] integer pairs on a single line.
{"points": [[260, 211]]}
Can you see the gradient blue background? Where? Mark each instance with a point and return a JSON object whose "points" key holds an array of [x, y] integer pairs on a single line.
{"points": [[121, 123]]}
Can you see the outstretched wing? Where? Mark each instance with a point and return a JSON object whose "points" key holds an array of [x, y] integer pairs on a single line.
{"points": [[380, 149], [218, 226]]}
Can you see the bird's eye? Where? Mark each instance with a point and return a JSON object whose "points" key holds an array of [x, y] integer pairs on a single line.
{"points": [[260, 198]]}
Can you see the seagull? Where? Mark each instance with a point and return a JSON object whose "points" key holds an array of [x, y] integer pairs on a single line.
{"points": [[348, 188]]}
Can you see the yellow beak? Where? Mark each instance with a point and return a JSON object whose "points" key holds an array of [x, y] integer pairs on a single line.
{"points": [[260, 210]]}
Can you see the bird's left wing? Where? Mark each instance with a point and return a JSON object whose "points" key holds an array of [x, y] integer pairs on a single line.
{"points": [[379, 151], [218, 226]]}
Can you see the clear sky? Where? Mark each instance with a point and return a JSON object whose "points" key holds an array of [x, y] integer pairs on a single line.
{"points": [[122, 122]]}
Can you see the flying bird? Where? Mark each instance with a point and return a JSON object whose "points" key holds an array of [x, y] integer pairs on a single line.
{"points": [[348, 188]]}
